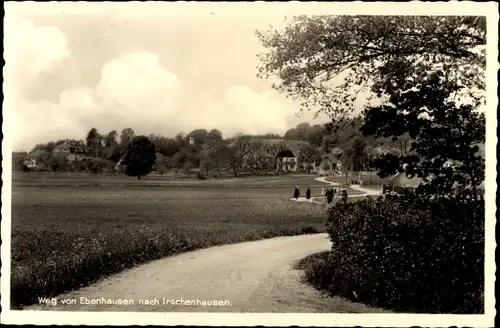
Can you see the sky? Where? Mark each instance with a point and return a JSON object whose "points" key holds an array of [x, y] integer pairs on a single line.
{"points": [[156, 70]]}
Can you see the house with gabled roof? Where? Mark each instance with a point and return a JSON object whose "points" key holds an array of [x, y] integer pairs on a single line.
{"points": [[283, 153], [290, 158], [32, 160], [72, 150], [331, 162]]}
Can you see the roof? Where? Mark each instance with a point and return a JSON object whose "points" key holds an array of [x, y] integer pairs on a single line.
{"points": [[292, 145], [36, 153], [286, 153], [70, 143], [78, 145]]}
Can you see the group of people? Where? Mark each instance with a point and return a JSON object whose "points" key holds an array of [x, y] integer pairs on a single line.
{"points": [[296, 193], [329, 193]]}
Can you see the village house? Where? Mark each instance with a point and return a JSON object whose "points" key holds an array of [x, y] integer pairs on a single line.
{"points": [[32, 159], [289, 157], [72, 151], [331, 162], [280, 154]]}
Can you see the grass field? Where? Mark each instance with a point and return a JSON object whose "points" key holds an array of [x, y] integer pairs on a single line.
{"points": [[65, 237]]}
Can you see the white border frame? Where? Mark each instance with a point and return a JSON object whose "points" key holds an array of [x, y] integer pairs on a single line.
{"points": [[490, 10]]}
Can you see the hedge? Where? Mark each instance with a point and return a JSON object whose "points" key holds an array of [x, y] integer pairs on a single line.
{"points": [[407, 254]]}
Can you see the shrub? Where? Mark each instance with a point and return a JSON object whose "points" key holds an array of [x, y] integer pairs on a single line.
{"points": [[406, 254], [99, 165]]}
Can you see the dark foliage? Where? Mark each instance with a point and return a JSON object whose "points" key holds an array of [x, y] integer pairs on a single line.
{"points": [[406, 254], [139, 157]]}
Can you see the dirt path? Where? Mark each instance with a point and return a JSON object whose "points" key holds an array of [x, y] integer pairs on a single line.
{"points": [[252, 277], [321, 199], [365, 191]]}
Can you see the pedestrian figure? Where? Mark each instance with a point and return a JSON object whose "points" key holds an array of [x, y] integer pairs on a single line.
{"points": [[308, 193], [329, 196], [322, 191], [296, 193], [344, 195]]}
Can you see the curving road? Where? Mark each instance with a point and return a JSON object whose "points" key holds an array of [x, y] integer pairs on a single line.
{"points": [[253, 277], [321, 200]]}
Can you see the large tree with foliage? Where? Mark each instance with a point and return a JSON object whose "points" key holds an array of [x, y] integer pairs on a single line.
{"points": [[426, 73], [94, 142], [139, 157]]}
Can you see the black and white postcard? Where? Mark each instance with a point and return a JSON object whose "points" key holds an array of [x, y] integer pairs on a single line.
{"points": [[249, 163]]}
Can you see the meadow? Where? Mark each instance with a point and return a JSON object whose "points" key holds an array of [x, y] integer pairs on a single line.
{"points": [[70, 231]]}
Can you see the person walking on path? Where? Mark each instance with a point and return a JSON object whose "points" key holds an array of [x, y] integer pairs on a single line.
{"points": [[308, 193], [344, 196], [296, 193], [329, 196]]}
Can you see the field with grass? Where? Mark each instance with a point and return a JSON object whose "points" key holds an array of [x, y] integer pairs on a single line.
{"points": [[69, 231]]}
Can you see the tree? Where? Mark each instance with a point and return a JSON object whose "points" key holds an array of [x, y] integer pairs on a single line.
{"points": [[328, 143], [139, 157], [126, 136], [160, 164], [300, 132], [403, 143], [358, 50], [242, 149], [49, 147], [358, 146], [18, 161], [179, 159], [110, 144], [110, 139], [315, 135], [55, 163], [187, 166], [181, 141], [215, 135], [199, 136], [214, 156], [309, 155], [347, 162], [427, 73], [268, 136], [441, 130], [94, 142]]}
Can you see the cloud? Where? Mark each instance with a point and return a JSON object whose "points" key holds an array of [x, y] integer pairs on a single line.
{"points": [[135, 91], [142, 90], [136, 83], [244, 110], [30, 51]]}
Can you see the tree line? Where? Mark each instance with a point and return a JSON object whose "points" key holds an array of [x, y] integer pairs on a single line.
{"points": [[209, 151]]}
